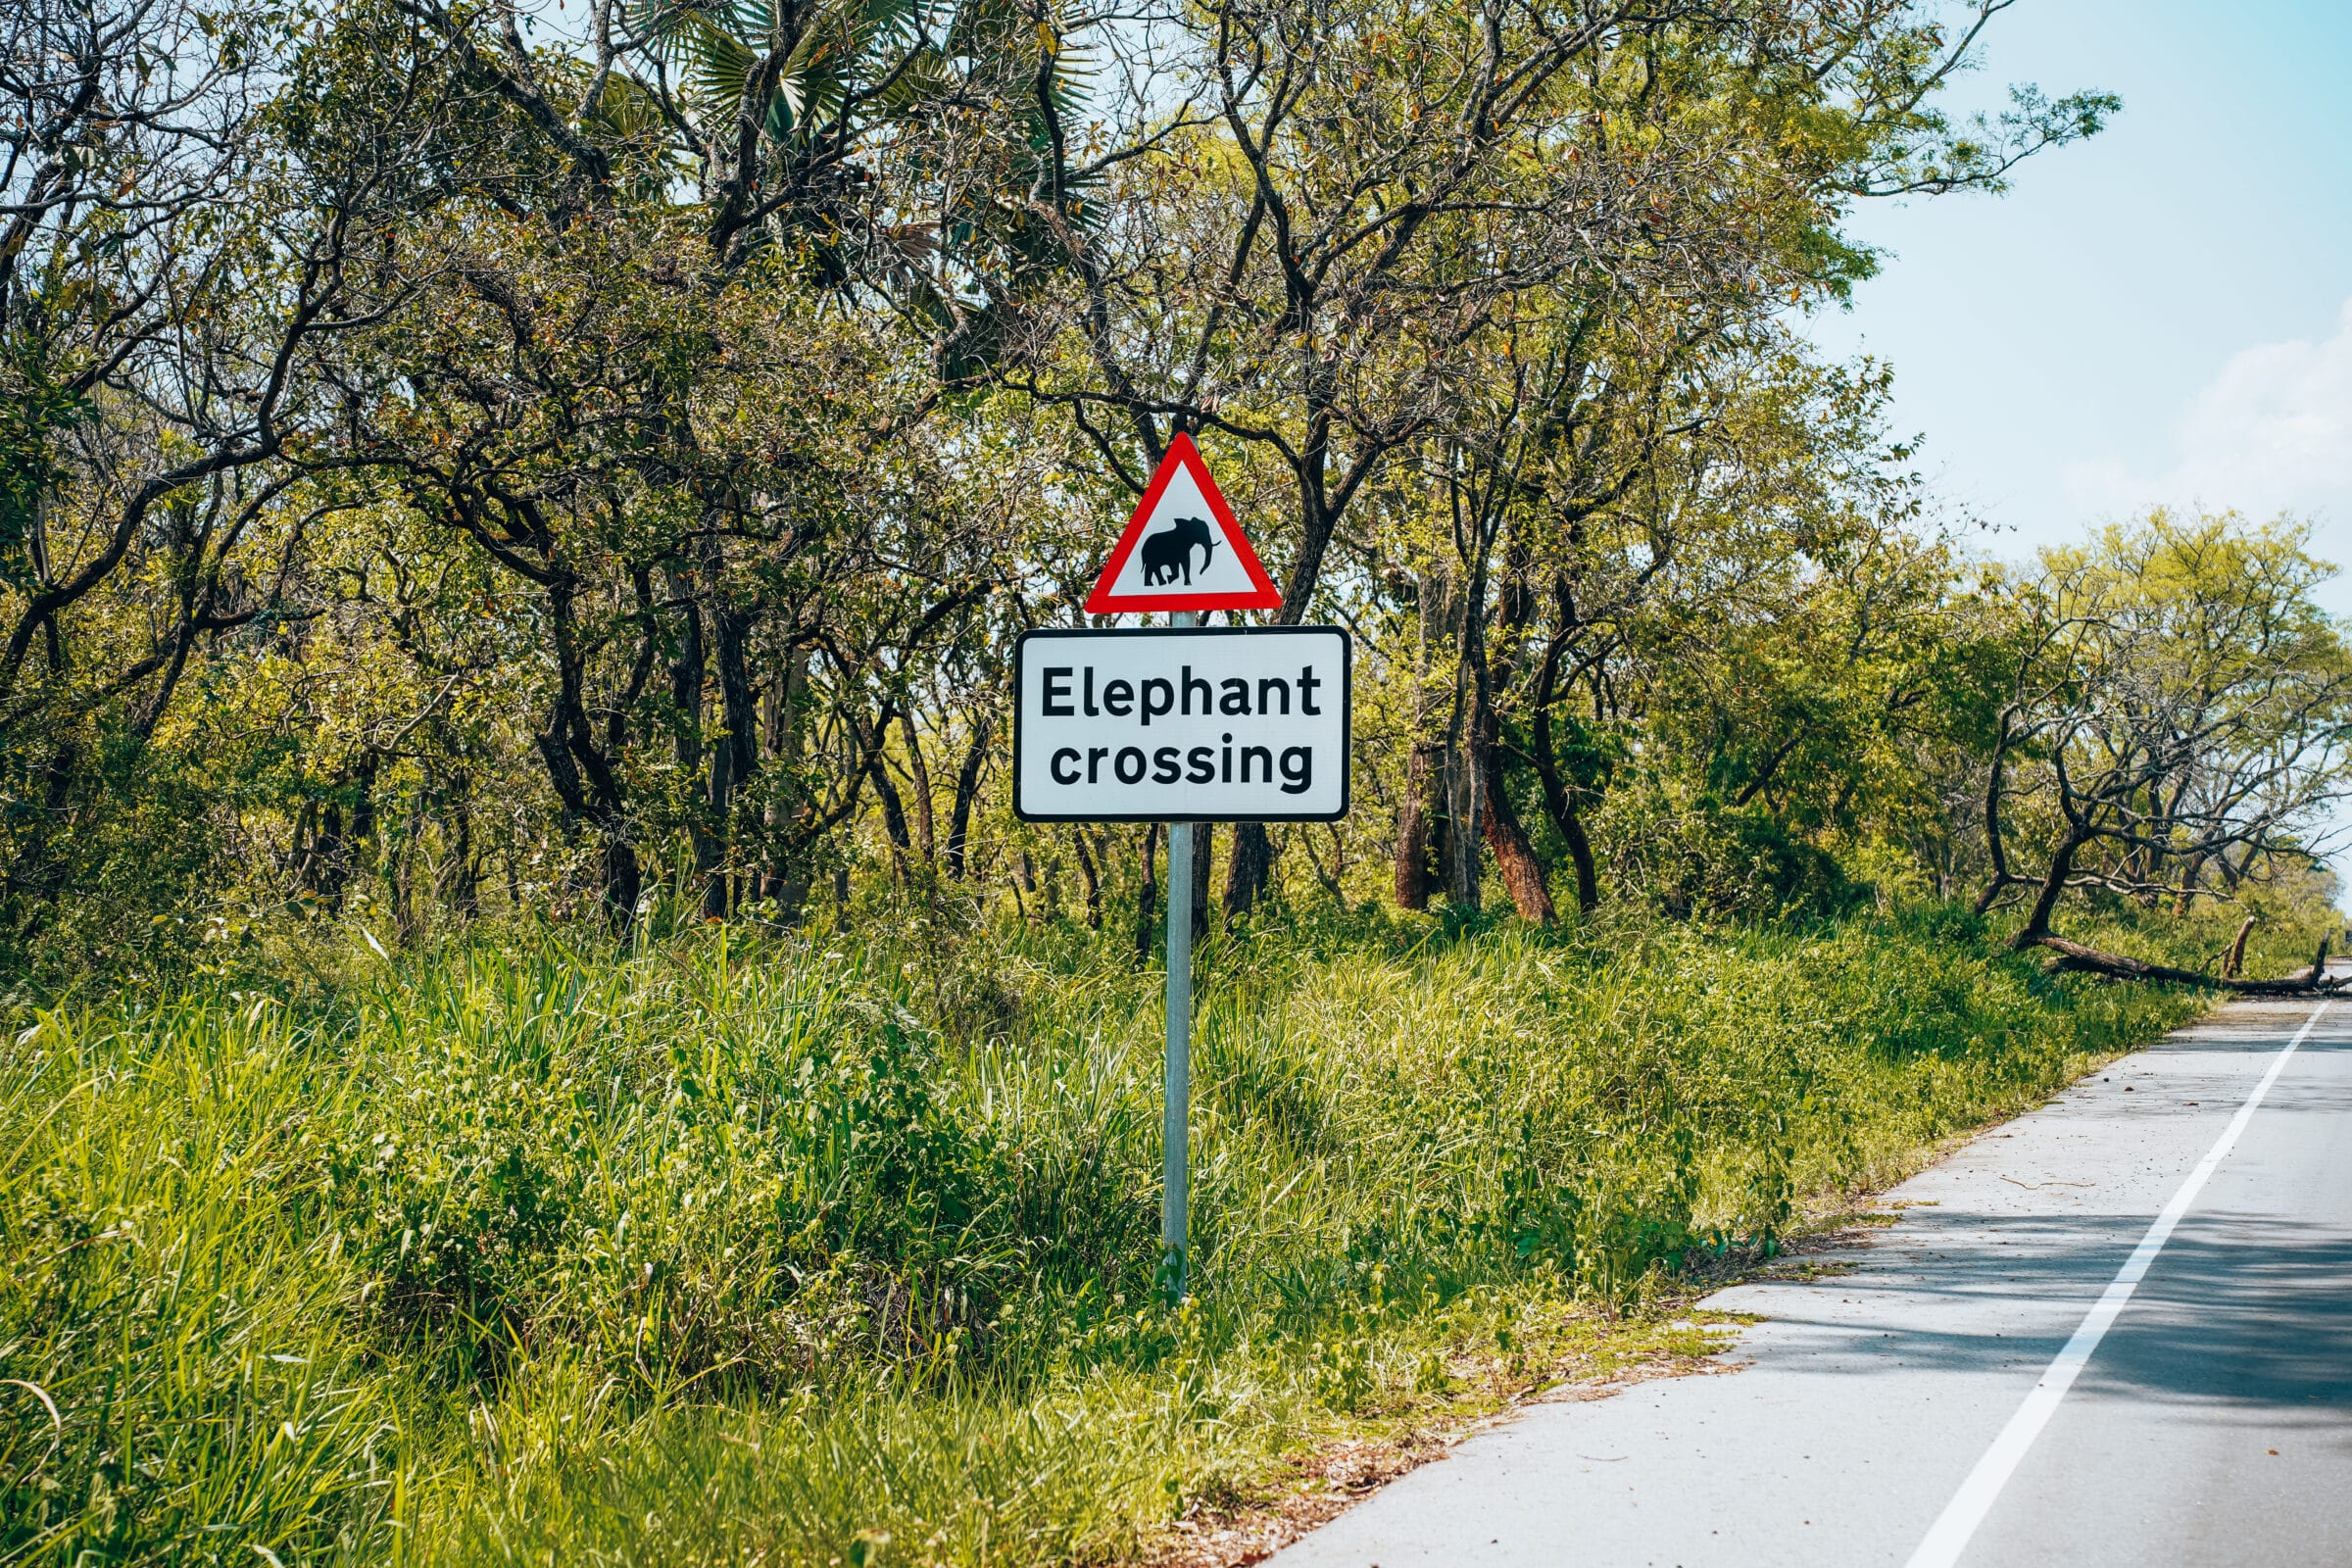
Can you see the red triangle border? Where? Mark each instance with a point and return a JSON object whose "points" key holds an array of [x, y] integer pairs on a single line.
{"points": [[1183, 453]]}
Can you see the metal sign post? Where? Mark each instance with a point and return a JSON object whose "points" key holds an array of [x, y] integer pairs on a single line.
{"points": [[1176, 1115]]}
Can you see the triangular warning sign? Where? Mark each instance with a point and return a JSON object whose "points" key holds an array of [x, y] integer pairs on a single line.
{"points": [[1182, 549]]}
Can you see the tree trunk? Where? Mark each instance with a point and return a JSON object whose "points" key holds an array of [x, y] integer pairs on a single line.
{"points": [[39, 870], [333, 859], [624, 881], [465, 873], [1559, 804], [401, 872], [893, 810], [582, 775], [301, 863], [1147, 897], [1414, 881], [1522, 872], [1995, 845], [2053, 883], [736, 757], [925, 839], [689, 667], [1418, 828], [1249, 869], [1089, 878], [362, 847], [733, 623], [718, 798], [967, 790], [1493, 669], [2189, 886], [1462, 850], [322, 870]]}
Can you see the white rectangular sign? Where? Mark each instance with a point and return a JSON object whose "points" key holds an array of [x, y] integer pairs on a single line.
{"points": [[1181, 725]]}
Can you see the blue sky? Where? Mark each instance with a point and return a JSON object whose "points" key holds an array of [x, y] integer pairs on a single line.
{"points": [[2158, 313], [2162, 314]]}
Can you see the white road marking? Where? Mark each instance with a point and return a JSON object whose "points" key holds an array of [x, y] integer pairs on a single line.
{"points": [[1950, 1536]]}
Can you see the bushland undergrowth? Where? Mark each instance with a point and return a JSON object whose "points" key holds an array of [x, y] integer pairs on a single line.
{"points": [[812, 1249]]}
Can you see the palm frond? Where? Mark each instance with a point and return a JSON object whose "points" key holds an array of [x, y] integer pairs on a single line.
{"points": [[720, 65], [626, 108], [926, 78]]}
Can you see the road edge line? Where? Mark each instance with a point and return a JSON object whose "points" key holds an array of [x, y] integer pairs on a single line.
{"points": [[1956, 1525]]}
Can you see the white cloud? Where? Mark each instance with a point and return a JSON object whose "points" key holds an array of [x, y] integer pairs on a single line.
{"points": [[2272, 431]]}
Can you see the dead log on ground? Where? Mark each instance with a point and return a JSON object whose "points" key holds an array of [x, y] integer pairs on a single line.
{"points": [[2075, 957]]}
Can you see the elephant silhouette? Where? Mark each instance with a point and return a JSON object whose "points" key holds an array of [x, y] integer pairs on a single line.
{"points": [[1169, 553]]}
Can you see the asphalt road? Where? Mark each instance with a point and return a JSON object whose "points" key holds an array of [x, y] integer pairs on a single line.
{"points": [[1909, 1413]]}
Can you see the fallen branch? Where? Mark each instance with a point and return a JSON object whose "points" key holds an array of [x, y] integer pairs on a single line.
{"points": [[2237, 951], [2074, 956]]}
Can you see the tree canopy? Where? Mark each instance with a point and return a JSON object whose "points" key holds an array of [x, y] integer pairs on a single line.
{"points": [[463, 459]]}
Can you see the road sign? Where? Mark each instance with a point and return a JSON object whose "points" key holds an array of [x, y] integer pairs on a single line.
{"points": [[1182, 549], [1182, 723]]}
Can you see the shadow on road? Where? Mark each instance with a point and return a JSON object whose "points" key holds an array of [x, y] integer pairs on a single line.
{"points": [[2240, 1311]]}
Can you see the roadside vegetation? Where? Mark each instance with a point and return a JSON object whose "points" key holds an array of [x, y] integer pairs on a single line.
{"points": [[727, 1247], [533, 1033]]}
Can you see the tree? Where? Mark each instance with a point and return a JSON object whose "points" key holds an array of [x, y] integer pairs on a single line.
{"points": [[2178, 705], [168, 289]]}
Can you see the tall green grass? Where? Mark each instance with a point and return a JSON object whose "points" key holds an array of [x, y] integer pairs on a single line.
{"points": [[728, 1248]]}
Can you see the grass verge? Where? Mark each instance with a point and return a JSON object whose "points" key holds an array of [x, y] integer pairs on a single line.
{"points": [[813, 1251]]}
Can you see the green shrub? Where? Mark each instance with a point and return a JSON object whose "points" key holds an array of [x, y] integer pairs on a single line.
{"points": [[1700, 858]]}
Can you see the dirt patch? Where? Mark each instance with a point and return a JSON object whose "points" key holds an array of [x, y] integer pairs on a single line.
{"points": [[1671, 1339], [1671, 1336]]}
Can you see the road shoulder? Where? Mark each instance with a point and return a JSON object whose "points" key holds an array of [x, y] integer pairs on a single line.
{"points": [[1864, 1398]]}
